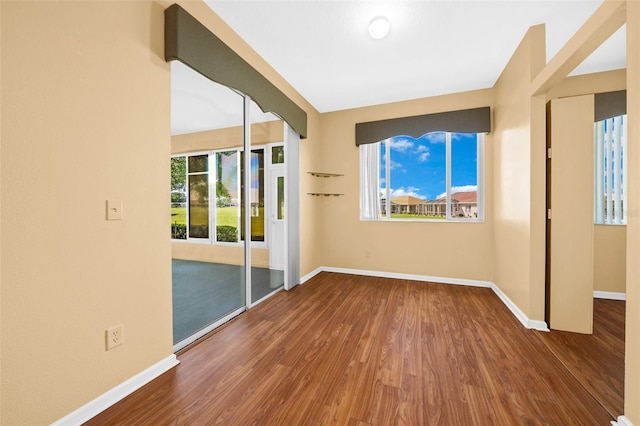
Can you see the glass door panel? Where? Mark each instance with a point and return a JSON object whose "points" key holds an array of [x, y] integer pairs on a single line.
{"points": [[267, 231], [208, 254], [257, 195], [227, 212], [198, 175]]}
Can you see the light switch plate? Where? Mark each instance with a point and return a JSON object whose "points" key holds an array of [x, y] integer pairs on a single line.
{"points": [[114, 209]]}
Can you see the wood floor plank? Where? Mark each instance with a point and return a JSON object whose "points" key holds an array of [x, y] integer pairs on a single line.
{"points": [[596, 360], [354, 350]]}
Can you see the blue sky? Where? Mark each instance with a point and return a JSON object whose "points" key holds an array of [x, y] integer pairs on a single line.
{"points": [[418, 165]]}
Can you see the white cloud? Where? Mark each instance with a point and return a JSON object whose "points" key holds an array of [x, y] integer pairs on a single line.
{"points": [[411, 191], [394, 165], [401, 145], [463, 188], [422, 152], [458, 136], [435, 137]]}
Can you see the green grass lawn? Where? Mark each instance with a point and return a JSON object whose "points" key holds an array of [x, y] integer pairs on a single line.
{"points": [[179, 215], [414, 216], [226, 216]]}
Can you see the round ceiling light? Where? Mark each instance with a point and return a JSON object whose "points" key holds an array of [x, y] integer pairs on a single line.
{"points": [[379, 27]]}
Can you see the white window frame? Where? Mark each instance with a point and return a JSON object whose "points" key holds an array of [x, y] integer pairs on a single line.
{"points": [[480, 185], [212, 174], [190, 239]]}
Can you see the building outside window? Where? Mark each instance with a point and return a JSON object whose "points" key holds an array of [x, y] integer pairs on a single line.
{"points": [[436, 177]]}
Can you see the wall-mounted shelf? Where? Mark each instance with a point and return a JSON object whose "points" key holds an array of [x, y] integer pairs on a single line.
{"points": [[325, 175], [323, 194]]}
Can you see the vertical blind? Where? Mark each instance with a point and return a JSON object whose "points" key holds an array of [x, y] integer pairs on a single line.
{"points": [[610, 157], [610, 170]]}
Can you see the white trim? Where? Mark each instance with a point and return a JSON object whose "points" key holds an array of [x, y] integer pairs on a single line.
{"points": [[447, 168], [609, 295], [537, 325], [480, 179], [247, 200], [292, 207], [387, 173], [439, 280], [310, 275], [107, 399], [622, 421], [526, 322]]}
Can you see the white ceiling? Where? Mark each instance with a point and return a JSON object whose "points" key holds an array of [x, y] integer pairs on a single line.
{"points": [[199, 104], [323, 50]]}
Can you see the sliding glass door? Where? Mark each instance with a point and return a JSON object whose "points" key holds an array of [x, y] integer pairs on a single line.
{"points": [[229, 211]]}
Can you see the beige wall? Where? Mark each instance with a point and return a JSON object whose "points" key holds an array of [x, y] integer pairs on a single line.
{"points": [[216, 253], [261, 134], [89, 116], [454, 250], [610, 258], [632, 335], [89, 120], [609, 81], [1, 221], [310, 216], [571, 246], [514, 176]]}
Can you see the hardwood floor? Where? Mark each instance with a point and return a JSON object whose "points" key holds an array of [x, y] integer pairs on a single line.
{"points": [[352, 350], [596, 360]]}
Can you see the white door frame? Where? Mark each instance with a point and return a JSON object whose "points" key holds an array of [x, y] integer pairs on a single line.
{"points": [[275, 242]]}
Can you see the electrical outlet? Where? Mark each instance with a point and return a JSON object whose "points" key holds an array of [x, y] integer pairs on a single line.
{"points": [[115, 336]]}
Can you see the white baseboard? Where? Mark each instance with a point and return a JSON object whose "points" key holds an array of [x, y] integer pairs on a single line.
{"points": [[623, 421], [310, 275], [609, 295], [107, 399], [413, 277], [526, 322]]}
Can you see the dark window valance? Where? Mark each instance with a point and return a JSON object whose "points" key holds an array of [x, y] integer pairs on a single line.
{"points": [[610, 104], [476, 120], [190, 42]]}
